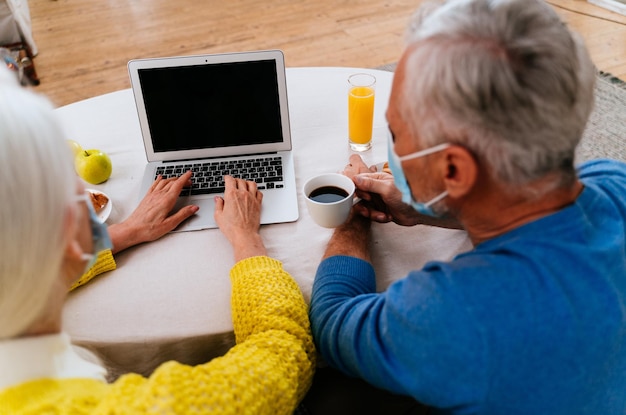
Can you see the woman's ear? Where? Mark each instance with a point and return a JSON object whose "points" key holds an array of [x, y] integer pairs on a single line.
{"points": [[73, 252], [461, 171], [72, 247]]}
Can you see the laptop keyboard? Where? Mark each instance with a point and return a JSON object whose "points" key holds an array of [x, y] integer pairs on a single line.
{"points": [[208, 177]]}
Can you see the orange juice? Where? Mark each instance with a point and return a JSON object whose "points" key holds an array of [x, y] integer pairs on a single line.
{"points": [[360, 115]]}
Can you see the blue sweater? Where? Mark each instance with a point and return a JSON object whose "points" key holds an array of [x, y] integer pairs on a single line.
{"points": [[531, 322]]}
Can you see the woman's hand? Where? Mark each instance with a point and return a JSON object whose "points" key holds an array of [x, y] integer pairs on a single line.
{"points": [[153, 217], [238, 215]]}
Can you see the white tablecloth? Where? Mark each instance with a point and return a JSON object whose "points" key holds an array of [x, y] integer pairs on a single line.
{"points": [[170, 299]]}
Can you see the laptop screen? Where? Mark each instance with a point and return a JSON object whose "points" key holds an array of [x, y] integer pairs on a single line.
{"points": [[212, 105]]}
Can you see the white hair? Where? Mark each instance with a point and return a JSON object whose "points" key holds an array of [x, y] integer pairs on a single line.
{"points": [[37, 185], [504, 78]]}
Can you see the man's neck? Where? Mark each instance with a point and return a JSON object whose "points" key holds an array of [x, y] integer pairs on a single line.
{"points": [[499, 212]]}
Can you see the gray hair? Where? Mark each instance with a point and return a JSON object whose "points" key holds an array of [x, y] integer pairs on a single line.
{"points": [[504, 78], [37, 186]]}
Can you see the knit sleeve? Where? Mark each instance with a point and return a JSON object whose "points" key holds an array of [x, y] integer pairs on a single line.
{"points": [[267, 372], [105, 263]]}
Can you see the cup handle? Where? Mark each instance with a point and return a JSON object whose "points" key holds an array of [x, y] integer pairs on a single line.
{"points": [[355, 200]]}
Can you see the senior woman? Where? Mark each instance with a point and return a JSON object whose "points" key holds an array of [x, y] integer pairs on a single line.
{"points": [[49, 237]]}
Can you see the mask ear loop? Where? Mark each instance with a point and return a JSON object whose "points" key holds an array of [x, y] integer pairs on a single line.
{"points": [[87, 257], [425, 152], [436, 199]]}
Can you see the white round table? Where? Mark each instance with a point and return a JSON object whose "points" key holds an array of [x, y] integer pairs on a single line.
{"points": [[170, 299]]}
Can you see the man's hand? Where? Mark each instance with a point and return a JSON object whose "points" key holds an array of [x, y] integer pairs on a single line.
{"points": [[381, 201], [238, 216], [153, 217]]}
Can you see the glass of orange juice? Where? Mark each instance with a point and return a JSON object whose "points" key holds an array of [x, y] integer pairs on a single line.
{"points": [[360, 110]]}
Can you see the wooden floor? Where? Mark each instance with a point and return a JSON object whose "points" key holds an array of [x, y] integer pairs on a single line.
{"points": [[84, 45]]}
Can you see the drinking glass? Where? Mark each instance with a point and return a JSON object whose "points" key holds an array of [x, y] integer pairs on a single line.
{"points": [[361, 87]]}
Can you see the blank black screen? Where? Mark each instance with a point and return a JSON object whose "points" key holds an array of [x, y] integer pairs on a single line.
{"points": [[213, 105]]}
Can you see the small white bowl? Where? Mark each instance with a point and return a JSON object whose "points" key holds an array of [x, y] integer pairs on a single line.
{"points": [[103, 215]]}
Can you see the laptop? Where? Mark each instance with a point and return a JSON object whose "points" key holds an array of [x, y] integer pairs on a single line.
{"points": [[217, 114]]}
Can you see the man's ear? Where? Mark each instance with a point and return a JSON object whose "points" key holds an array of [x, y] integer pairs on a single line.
{"points": [[461, 171]]}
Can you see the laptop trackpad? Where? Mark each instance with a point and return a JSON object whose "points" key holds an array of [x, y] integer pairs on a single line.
{"points": [[203, 219]]}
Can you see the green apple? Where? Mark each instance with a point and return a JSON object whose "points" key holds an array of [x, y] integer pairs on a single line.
{"points": [[93, 166], [74, 146]]}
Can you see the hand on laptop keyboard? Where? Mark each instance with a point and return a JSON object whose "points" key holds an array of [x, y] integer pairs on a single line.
{"points": [[208, 177], [153, 217]]}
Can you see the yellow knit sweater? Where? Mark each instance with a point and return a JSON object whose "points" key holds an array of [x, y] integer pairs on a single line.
{"points": [[267, 372], [105, 263]]}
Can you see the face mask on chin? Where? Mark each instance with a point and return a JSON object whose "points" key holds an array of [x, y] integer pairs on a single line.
{"points": [[395, 165]]}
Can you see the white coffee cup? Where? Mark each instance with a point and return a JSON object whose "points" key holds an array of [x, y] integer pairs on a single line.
{"points": [[328, 206]]}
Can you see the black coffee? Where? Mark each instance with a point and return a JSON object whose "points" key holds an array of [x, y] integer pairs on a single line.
{"points": [[328, 194]]}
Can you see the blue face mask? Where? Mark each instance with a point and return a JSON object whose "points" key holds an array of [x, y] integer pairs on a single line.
{"points": [[99, 234], [395, 165]]}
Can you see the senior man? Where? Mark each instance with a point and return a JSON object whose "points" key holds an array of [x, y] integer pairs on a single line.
{"points": [[488, 103]]}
